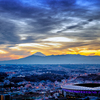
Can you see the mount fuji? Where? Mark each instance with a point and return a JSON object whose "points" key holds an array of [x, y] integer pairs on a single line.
{"points": [[39, 58]]}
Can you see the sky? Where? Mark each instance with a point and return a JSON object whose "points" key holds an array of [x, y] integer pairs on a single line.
{"points": [[52, 27]]}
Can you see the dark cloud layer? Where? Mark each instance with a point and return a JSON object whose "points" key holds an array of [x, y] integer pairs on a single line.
{"points": [[7, 32], [40, 19]]}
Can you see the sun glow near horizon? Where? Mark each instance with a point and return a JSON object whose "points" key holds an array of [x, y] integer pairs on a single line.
{"points": [[50, 46], [53, 28], [51, 52]]}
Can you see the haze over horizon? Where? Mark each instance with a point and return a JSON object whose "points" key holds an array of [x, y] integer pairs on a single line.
{"points": [[52, 27]]}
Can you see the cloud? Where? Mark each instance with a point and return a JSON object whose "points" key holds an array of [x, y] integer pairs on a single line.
{"points": [[8, 32], [32, 21], [59, 39]]}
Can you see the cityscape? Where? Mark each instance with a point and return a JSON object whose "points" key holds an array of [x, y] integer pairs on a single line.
{"points": [[49, 49], [45, 82]]}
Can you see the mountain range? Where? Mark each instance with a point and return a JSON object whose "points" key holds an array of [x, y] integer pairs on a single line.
{"points": [[39, 58]]}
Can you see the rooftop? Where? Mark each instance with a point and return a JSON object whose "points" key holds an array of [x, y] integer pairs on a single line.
{"points": [[84, 86], [92, 85]]}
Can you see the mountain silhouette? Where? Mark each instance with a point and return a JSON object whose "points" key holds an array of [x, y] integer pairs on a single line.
{"points": [[39, 54], [40, 58]]}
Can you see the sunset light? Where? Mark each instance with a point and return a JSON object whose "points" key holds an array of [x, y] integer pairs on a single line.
{"points": [[52, 28]]}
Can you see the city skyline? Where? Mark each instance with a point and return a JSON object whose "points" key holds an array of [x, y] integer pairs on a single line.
{"points": [[52, 27]]}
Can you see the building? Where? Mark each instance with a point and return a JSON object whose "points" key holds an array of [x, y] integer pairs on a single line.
{"points": [[81, 90], [5, 97]]}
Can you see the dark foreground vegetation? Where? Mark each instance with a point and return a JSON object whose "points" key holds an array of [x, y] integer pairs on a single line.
{"points": [[37, 78], [2, 76]]}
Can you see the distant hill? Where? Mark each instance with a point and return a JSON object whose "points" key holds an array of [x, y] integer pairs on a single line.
{"points": [[39, 54], [40, 58]]}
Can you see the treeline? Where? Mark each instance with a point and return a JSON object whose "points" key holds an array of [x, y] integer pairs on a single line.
{"points": [[37, 78], [2, 76]]}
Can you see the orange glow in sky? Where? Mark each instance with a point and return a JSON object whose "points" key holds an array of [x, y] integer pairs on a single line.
{"points": [[52, 27]]}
